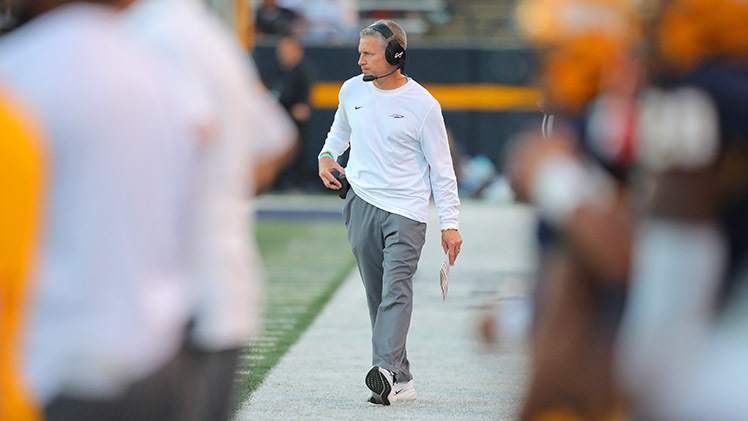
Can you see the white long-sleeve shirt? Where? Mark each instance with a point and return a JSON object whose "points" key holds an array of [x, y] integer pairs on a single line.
{"points": [[399, 149]]}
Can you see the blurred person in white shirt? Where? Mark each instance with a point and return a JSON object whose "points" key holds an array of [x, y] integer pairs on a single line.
{"points": [[111, 300], [237, 128]]}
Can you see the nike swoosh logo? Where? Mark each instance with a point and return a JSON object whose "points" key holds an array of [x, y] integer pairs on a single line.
{"points": [[397, 392], [357, 107]]}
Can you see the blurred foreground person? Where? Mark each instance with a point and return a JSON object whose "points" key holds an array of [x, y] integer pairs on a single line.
{"points": [[237, 128], [576, 176], [399, 157], [683, 351], [110, 302], [22, 182]]}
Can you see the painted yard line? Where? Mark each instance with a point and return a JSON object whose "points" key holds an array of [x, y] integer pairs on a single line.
{"points": [[298, 283], [253, 357], [279, 326], [266, 341]]}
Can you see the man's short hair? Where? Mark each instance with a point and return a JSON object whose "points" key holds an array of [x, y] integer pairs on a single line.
{"points": [[397, 31]]}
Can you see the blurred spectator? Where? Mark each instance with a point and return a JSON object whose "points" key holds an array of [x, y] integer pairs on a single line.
{"points": [[110, 300], [582, 201], [238, 128], [327, 20], [22, 182], [292, 85], [583, 234], [682, 351], [272, 19]]}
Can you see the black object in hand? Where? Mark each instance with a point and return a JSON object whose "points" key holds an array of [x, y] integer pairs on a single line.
{"points": [[344, 186]]}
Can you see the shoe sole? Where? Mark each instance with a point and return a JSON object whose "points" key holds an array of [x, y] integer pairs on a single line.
{"points": [[379, 386]]}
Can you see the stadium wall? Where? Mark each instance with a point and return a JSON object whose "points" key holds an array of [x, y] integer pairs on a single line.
{"points": [[486, 94]]}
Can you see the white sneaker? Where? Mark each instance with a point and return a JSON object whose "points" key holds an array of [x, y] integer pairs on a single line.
{"points": [[380, 382], [384, 391], [402, 392]]}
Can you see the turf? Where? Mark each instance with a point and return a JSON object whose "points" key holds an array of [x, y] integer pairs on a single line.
{"points": [[305, 263]]}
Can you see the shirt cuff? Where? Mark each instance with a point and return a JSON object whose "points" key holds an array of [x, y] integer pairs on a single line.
{"points": [[450, 225]]}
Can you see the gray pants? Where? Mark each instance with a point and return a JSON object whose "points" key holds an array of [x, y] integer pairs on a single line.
{"points": [[387, 248]]}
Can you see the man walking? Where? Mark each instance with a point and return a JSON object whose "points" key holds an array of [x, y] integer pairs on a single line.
{"points": [[399, 157]]}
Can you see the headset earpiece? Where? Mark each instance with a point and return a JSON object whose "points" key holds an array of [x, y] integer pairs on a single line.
{"points": [[394, 53]]}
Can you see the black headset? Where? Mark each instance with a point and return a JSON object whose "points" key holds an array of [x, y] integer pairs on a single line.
{"points": [[394, 53]]}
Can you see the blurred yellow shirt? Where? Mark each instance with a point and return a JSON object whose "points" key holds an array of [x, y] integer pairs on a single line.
{"points": [[21, 180]]}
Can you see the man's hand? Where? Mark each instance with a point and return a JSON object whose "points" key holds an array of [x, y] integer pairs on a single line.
{"points": [[451, 243], [326, 166]]}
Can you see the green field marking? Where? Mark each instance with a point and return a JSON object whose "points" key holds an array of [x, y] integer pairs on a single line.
{"points": [[305, 263]]}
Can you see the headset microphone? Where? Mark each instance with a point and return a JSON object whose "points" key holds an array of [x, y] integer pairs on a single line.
{"points": [[370, 78]]}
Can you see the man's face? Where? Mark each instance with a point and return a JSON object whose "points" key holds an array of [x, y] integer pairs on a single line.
{"points": [[371, 57]]}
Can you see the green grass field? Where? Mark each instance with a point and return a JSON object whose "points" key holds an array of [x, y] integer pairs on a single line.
{"points": [[305, 263]]}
